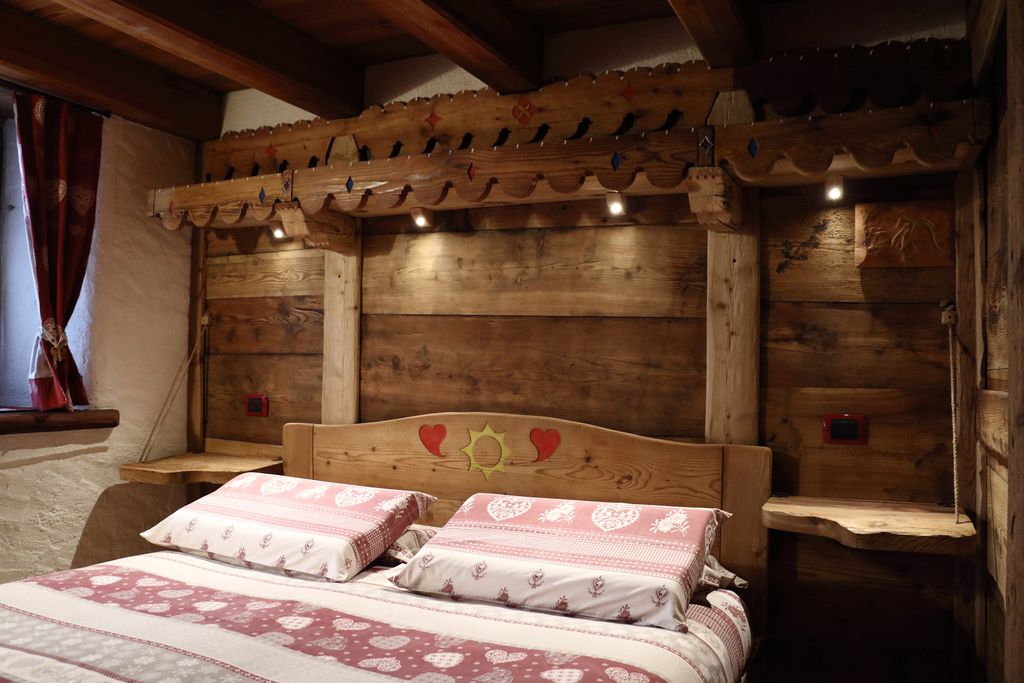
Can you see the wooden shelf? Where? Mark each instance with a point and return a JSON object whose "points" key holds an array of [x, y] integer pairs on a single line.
{"points": [[871, 525], [195, 468]]}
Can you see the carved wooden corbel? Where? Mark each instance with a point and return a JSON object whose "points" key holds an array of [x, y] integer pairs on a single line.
{"points": [[324, 230], [715, 198]]}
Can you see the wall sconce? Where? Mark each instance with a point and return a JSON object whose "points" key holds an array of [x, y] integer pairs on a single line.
{"points": [[421, 217], [616, 203], [278, 233], [834, 187]]}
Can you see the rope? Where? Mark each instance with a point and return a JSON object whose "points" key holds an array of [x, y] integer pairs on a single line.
{"points": [[165, 409], [950, 322]]}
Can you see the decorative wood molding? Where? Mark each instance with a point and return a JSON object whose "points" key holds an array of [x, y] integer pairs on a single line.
{"points": [[40, 55], [243, 43], [639, 100], [483, 38], [882, 76], [576, 169], [634, 101], [925, 137], [910, 139]]}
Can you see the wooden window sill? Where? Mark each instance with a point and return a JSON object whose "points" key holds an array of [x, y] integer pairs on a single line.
{"points": [[31, 421]]}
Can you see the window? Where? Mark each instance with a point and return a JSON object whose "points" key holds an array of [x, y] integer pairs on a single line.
{"points": [[19, 311]]}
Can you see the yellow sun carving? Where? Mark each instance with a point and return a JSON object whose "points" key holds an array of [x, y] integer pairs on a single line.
{"points": [[476, 436]]}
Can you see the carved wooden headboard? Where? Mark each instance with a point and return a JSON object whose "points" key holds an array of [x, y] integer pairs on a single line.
{"points": [[454, 455]]}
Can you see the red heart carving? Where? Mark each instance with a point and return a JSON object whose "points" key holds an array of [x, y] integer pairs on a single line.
{"points": [[546, 442], [432, 437]]}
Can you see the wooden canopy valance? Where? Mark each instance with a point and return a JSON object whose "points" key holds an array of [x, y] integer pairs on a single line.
{"points": [[672, 129]]}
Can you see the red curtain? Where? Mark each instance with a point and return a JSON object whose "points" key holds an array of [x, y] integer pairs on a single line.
{"points": [[60, 162]]}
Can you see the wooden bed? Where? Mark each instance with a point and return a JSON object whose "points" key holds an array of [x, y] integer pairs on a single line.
{"points": [[454, 455]]}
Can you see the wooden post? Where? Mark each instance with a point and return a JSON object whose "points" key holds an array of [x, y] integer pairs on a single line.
{"points": [[733, 329], [1013, 664], [969, 200], [342, 289], [969, 602], [196, 422]]}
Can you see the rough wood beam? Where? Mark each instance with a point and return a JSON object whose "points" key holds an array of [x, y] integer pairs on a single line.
{"points": [[715, 198], [983, 32], [1013, 652], [195, 429], [733, 330], [342, 295], [720, 28], [969, 570], [242, 42], [481, 37], [54, 60]]}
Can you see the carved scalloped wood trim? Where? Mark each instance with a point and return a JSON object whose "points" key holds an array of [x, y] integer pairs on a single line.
{"points": [[633, 101], [924, 138], [931, 135]]}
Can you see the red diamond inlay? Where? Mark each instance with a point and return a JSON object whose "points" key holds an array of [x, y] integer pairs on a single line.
{"points": [[471, 171], [432, 119], [629, 93], [271, 151]]}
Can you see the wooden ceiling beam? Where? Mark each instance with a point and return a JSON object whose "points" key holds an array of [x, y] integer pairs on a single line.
{"points": [[481, 37], [984, 27], [45, 57], [722, 29], [242, 42]]}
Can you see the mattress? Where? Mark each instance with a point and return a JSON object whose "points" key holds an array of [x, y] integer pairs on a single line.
{"points": [[170, 616]]}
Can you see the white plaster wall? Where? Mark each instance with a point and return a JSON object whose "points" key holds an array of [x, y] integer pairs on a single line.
{"points": [[407, 79], [805, 25], [617, 48], [61, 501], [19, 311], [244, 109]]}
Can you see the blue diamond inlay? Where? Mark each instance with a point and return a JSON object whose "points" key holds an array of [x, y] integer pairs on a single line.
{"points": [[287, 185], [616, 161], [263, 195], [349, 184], [752, 148]]}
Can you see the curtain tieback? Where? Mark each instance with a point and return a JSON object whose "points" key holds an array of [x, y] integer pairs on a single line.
{"points": [[57, 339]]}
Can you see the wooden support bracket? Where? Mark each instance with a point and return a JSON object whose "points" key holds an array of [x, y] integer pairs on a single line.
{"points": [[715, 198]]}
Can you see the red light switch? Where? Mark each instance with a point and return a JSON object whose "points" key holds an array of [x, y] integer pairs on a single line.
{"points": [[257, 405], [844, 428]]}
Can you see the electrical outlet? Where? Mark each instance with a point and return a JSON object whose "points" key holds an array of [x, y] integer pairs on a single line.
{"points": [[256, 405], [844, 428]]}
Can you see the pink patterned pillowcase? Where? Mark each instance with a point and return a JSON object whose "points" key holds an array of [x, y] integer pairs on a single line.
{"points": [[611, 561], [298, 526]]}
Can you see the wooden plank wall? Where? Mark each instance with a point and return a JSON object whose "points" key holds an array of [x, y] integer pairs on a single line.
{"points": [[839, 339], [265, 303], [554, 310], [993, 406]]}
